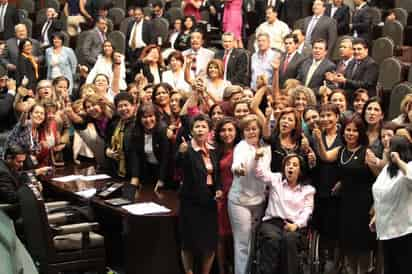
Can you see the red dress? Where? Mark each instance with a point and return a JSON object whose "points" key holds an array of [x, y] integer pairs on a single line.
{"points": [[226, 176], [191, 10]]}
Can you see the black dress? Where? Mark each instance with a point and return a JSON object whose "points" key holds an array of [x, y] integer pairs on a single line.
{"points": [[198, 211], [356, 201]]}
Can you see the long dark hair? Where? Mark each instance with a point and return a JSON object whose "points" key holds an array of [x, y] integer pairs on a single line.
{"points": [[143, 109], [302, 167], [218, 141], [402, 146]]}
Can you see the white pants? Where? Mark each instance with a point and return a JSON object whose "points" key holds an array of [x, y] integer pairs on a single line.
{"points": [[243, 220]]}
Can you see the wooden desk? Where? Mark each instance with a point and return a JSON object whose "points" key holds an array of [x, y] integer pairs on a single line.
{"points": [[150, 242]]}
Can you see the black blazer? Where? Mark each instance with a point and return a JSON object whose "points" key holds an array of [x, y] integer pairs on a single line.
{"points": [[237, 66], [366, 76], [11, 18], [9, 183], [161, 148], [342, 17], [361, 23], [56, 26], [292, 68], [140, 66], [194, 189], [128, 147], [25, 68], [318, 76]]}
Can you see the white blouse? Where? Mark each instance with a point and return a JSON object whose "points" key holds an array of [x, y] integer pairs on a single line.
{"points": [[103, 67], [393, 204], [248, 190]]}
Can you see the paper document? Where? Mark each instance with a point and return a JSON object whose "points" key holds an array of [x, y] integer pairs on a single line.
{"points": [[88, 193], [146, 208], [70, 178]]}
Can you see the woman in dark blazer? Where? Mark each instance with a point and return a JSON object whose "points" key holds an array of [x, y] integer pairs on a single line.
{"points": [[152, 146], [200, 189], [150, 64], [27, 65]]}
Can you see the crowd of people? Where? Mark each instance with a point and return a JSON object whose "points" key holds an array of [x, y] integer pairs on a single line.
{"points": [[263, 142]]}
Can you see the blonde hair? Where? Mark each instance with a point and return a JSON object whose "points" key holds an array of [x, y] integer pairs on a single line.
{"points": [[309, 94], [248, 119], [405, 101]]}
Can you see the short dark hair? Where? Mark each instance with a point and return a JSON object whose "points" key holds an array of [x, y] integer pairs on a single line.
{"points": [[320, 40], [13, 150], [360, 41], [177, 55], [402, 146], [371, 100], [201, 117], [271, 8], [291, 36], [123, 96], [59, 35], [330, 107], [22, 42], [158, 4]]}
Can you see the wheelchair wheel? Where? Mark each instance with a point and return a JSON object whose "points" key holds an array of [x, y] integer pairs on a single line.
{"points": [[313, 256]]}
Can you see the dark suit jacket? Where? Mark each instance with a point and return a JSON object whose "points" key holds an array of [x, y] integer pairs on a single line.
{"points": [[140, 66], [361, 23], [11, 18], [91, 48], [56, 26], [318, 76], [342, 17], [194, 189], [25, 68], [128, 147], [161, 148], [237, 66], [7, 117], [9, 183], [147, 36], [292, 68], [293, 10], [325, 28], [366, 76]]}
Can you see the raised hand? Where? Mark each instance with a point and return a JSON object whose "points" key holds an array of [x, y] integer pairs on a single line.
{"points": [[183, 146]]}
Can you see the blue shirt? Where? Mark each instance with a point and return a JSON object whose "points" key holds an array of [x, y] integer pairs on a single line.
{"points": [[262, 64]]}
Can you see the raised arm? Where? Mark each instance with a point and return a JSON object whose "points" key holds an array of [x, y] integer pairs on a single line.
{"points": [[325, 155]]}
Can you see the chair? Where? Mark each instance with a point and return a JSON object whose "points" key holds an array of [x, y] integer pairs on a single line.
{"points": [[22, 13], [118, 40], [120, 4], [66, 38], [59, 248], [299, 24], [110, 25], [394, 30], [53, 4], [401, 15], [27, 5], [147, 11], [80, 39], [117, 15], [174, 13], [41, 17], [410, 75], [29, 25], [398, 93], [335, 56], [382, 48], [390, 73], [160, 28], [376, 15], [405, 4], [125, 24]]}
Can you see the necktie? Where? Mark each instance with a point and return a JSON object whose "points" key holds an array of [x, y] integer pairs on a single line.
{"points": [[310, 29], [133, 44], [311, 70], [341, 67], [45, 30], [225, 58], [355, 68], [286, 63]]}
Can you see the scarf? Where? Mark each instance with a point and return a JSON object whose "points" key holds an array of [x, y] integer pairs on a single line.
{"points": [[117, 145], [34, 63]]}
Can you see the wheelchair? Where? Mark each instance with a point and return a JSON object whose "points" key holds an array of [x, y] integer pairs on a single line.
{"points": [[308, 252]]}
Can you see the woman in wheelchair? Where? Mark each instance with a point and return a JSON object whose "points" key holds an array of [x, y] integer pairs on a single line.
{"points": [[290, 204]]}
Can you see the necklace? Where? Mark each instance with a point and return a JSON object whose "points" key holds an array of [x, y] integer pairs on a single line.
{"points": [[350, 157]]}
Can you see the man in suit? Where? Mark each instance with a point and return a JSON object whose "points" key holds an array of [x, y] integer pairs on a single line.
{"points": [[303, 47], [293, 10], [7, 117], [45, 30], [341, 13], [312, 71], [93, 43], [361, 21], [235, 61], [200, 55], [346, 57], [8, 19], [361, 73], [138, 35], [290, 61], [11, 53], [320, 26]]}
